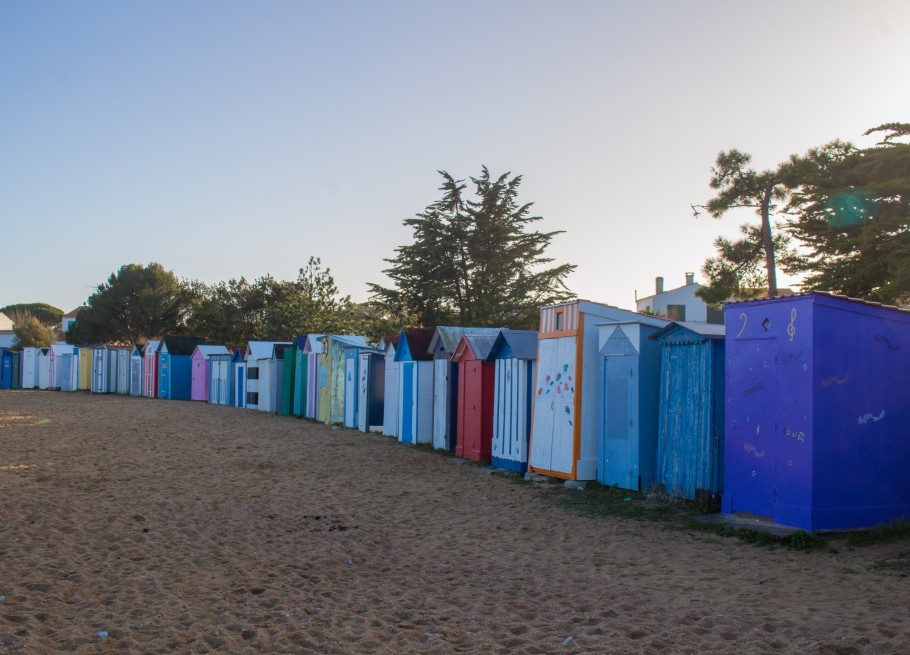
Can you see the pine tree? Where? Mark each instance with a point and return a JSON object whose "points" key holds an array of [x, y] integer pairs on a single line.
{"points": [[474, 261]]}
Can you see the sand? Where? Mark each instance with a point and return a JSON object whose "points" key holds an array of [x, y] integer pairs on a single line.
{"points": [[189, 528]]}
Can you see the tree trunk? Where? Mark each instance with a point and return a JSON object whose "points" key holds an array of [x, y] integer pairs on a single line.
{"points": [[767, 241]]}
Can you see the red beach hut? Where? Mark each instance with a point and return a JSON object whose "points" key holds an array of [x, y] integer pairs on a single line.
{"points": [[476, 393]]}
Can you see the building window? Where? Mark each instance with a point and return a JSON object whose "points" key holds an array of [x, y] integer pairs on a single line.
{"points": [[676, 312], [252, 373], [558, 320]]}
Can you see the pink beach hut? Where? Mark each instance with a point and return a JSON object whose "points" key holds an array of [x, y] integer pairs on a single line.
{"points": [[150, 370], [199, 389]]}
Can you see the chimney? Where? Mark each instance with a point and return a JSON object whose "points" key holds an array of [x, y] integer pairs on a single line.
{"points": [[690, 278], [659, 285]]}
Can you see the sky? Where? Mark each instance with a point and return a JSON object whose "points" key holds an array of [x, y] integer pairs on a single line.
{"points": [[226, 139]]}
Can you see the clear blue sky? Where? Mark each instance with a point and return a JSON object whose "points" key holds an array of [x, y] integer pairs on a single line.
{"points": [[227, 139]]}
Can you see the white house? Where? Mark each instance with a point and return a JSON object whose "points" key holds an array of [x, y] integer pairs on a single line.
{"points": [[7, 336], [679, 304]]}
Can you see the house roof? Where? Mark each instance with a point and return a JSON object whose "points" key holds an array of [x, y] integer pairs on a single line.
{"points": [[707, 330], [521, 343], [74, 313]]}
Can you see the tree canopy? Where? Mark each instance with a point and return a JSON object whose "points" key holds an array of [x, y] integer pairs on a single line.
{"points": [[136, 302], [850, 211], [46, 314], [740, 265], [29, 332], [473, 260]]}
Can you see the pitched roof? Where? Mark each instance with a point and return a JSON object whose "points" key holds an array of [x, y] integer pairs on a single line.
{"points": [[480, 345], [262, 349], [418, 341], [74, 313], [521, 343], [449, 336], [180, 345], [707, 330], [207, 350]]}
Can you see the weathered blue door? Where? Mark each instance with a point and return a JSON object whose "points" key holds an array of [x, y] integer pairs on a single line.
{"points": [[751, 441], [6, 375], [164, 375], [407, 402]]}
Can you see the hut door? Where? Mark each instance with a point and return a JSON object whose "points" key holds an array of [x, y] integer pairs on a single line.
{"points": [[363, 399], [441, 403], [241, 386], [751, 446], [620, 429], [553, 440], [407, 402], [472, 410], [350, 392]]}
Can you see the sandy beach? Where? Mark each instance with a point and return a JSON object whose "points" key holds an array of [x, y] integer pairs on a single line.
{"points": [[189, 528]]}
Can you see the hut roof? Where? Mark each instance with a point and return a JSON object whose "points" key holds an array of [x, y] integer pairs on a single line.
{"points": [[480, 345], [707, 330], [207, 350], [521, 343], [180, 345], [449, 336], [263, 349], [828, 294], [418, 342]]}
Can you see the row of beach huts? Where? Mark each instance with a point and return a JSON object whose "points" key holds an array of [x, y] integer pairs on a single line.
{"points": [[797, 412]]}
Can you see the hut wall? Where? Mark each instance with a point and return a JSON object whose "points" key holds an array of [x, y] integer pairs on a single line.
{"points": [[514, 384], [28, 366], [390, 400]]}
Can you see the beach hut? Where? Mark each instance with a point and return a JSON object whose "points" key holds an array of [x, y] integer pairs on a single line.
{"points": [[816, 411], [313, 348], [100, 370], [445, 382], [353, 380], [288, 378], [278, 386], [221, 377], [690, 436], [136, 359], [85, 368], [331, 376], [630, 400], [17, 370], [28, 368], [200, 364], [63, 366], [261, 374], [415, 390], [390, 399], [124, 364], [150, 369], [175, 375], [371, 391], [6, 368], [565, 435], [300, 375], [513, 354], [474, 400], [240, 382], [43, 369]]}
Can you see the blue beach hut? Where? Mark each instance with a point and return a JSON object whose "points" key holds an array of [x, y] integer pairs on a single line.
{"points": [[630, 398], [817, 411], [6, 368], [514, 354], [175, 371], [690, 433], [415, 391], [221, 377], [352, 379]]}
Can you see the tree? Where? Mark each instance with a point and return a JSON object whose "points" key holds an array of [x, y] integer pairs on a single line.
{"points": [[31, 333], [851, 212], [473, 261], [46, 314], [738, 185], [136, 302]]}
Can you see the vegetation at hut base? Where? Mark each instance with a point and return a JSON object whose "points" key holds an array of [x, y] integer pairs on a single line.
{"points": [[845, 221], [29, 332], [46, 314], [473, 260]]}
